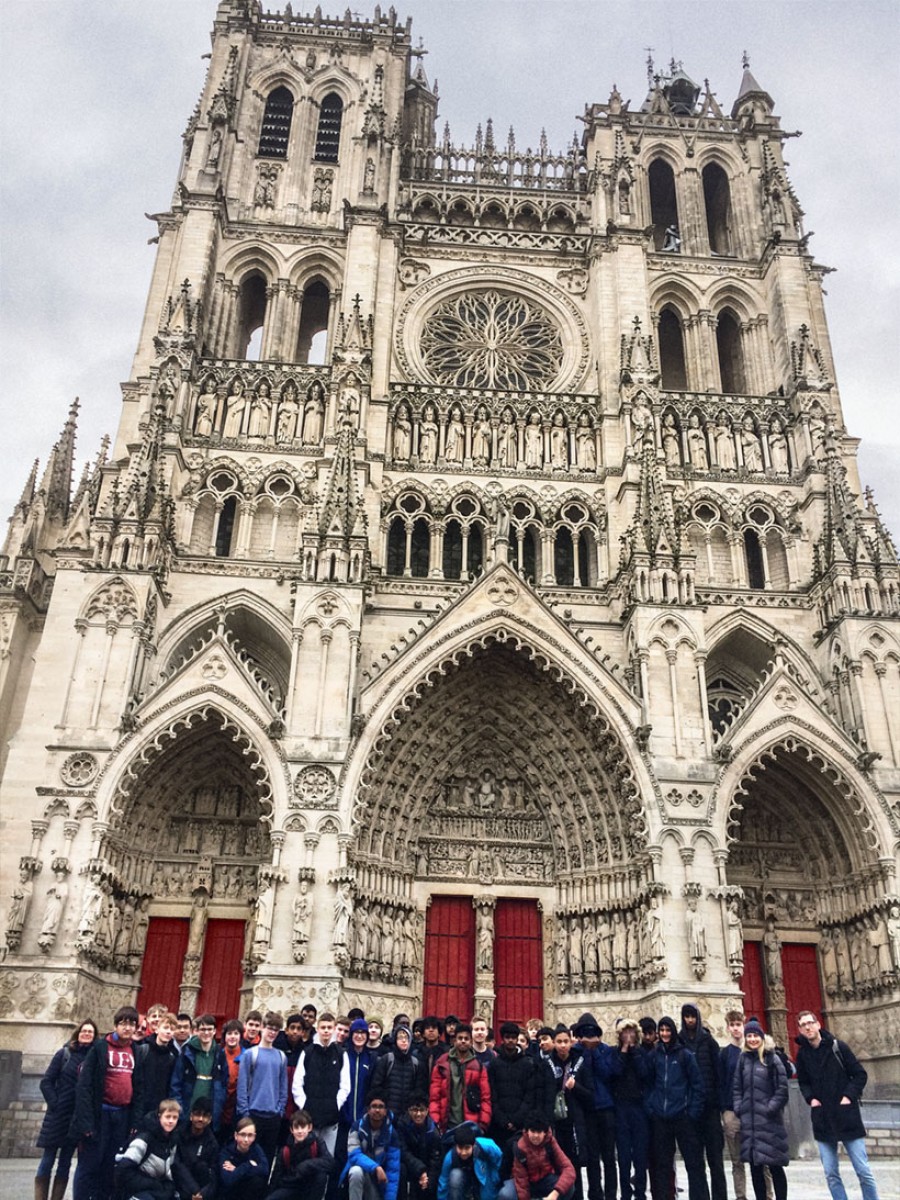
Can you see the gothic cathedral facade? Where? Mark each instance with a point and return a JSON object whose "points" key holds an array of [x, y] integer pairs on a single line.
{"points": [[476, 610]]}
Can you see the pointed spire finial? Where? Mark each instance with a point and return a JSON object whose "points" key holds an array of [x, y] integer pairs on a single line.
{"points": [[745, 61]]}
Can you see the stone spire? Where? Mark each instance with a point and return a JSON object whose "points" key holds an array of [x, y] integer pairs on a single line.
{"points": [[750, 95], [343, 544], [56, 484]]}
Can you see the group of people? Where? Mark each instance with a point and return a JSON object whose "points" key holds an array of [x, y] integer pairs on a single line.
{"points": [[435, 1109]]}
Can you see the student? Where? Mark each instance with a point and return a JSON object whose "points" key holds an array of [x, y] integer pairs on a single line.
{"points": [[574, 1095], [539, 1166], [398, 1073], [200, 1070], [706, 1050], [243, 1167], [322, 1080], [197, 1154], [102, 1118], [361, 1062], [376, 1033], [144, 1170], [460, 1090], [675, 1099], [600, 1115], [290, 1040], [432, 1045], [760, 1097], [58, 1089], [731, 1126], [481, 1032], [233, 1048], [253, 1023], [184, 1027], [471, 1168], [262, 1090], [156, 1055], [372, 1170], [303, 1166], [421, 1151], [632, 1128], [512, 1076]]}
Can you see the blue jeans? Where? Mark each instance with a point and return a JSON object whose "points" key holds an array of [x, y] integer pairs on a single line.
{"points": [[63, 1163], [856, 1152]]}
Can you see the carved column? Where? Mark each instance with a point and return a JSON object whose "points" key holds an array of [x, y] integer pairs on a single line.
{"points": [[189, 988], [484, 956]]}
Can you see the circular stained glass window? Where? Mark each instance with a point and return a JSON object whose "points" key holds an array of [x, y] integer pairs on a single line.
{"points": [[491, 339]]}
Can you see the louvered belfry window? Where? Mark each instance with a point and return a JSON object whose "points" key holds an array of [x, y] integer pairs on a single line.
{"points": [[328, 135], [276, 126]]}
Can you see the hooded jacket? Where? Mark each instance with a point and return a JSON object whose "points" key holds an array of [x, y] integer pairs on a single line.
{"points": [[146, 1165], [474, 1077], [372, 1148], [361, 1064], [827, 1073], [397, 1075], [91, 1081], [486, 1159], [531, 1164], [512, 1078], [58, 1089], [196, 1160], [421, 1148], [758, 1101], [706, 1050], [305, 1163], [322, 1082], [184, 1078], [674, 1083]]}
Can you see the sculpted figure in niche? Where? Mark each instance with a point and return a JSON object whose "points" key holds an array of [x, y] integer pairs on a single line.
{"points": [[696, 928], [402, 433], [641, 418], [343, 911], [235, 403], [559, 443], [487, 797], [124, 933], [454, 446], [670, 441], [589, 945], [585, 445], [140, 927], [198, 922], [350, 400], [842, 955], [724, 439], [778, 450], [534, 443], [655, 942], [428, 436], [507, 451], [262, 934], [892, 924], [772, 952], [620, 952], [409, 941], [204, 420], [735, 933], [91, 912], [18, 909], [829, 964], [387, 938], [696, 438], [481, 438], [314, 414], [57, 896], [288, 409], [485, 950], [576, 947], [751, 445]]}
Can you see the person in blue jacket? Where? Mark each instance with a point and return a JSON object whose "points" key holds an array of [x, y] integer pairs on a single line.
{"points": [[243, 1166], [675, 1100], [201, 1070], [362, 1063], [372, 1169], [600, 1117], [471, 1167]]}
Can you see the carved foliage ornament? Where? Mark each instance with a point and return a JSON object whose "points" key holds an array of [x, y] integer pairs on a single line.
{"points": [[491, 339]]}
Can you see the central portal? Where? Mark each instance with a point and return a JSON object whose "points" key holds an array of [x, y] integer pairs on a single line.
{"points": [[476, 948]]}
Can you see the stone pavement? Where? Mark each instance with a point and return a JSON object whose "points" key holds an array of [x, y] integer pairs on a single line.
{"points": [[805, 1180]]}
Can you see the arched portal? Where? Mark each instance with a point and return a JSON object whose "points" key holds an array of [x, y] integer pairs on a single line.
{"points": [[804, 867], [176, 868], [494, 790]]}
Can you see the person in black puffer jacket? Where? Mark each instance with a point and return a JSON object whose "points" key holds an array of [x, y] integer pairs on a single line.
{"points": [[144, 1169], [512, 1077], [58, 1089], [421, 1151], [706, 1050], [397, 1074], [303, 1167], [197, 1154], [760, 1096]]}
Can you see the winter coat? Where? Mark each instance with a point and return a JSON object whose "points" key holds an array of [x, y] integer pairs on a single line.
{"points": [[252, 1165], [184, 1077], [429, 1055], [89, 1089], [544, 1087], [673, 1081], [627, 1084], [421, 1149], [512, 1079], [827, 1073], [397, 1076], [362, 1064], [305, 1163], [145, 1167], [759, 1098], [322, 1082], [196, 1162], [157, 1064], [706, 1051], [475, 1077], [486, 1159], [579, 1100], [58, 1089], [531, 1164], [605, 1066], [369, 1148]]}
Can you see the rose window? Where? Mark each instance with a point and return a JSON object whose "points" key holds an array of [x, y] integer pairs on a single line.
{"points": [[491, 339]]}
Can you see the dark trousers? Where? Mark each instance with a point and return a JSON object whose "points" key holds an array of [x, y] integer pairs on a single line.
{"points": [[666, 1134], [97, 1156], [632, 1147], [779, 1182], [565, 1135], [709, 1130], [268, 1127], [601, 1147]]}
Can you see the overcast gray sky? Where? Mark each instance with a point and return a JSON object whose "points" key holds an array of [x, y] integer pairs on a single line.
{"points": [[94, 96]]}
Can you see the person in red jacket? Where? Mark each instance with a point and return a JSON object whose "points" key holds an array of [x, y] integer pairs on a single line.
{"points": [[460, 1088], [540, 1168]]}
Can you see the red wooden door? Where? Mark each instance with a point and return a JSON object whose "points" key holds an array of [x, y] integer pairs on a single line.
{"points": [[752, 983], [802, 987], [518, 962], [449, 985], [220, 975], [167, 939]]}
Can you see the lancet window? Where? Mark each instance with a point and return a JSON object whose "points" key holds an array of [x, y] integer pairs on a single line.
{"points": [[671, 351], [730, 353], [717, 199], [328, 133], [312, 337], [252, 302], [663, 200], [276, 124]]}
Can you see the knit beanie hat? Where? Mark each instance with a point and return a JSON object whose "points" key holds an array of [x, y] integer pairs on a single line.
{"points": [[359, 1026], [753, 1026]]}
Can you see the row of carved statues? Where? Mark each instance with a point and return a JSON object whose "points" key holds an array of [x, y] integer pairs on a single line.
{"points": [[259, 414], [609, 949], [862, 958]]}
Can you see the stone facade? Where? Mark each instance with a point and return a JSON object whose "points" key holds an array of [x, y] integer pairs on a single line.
{"points": [[480, 522]]}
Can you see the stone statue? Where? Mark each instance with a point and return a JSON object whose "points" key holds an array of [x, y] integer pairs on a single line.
{"points": [[343, 911], [314, 414], [735, 933], [262, 933], [724, 439], [507, 450], [288, 409], [215, 148], [481, 438], [778, 450], [585, 445], [589, 945], [829, 964], [751, 446], [91, 912], [696, 930], [402, 433], [454, 446], [620, 952], [670, 441], [672, 240], [656, 949], [428, 437], [18, 909], [199, 913], [140, 927], [260, 407], [235, 403], [387, 938], [772, 955], [204, 421], [349, 401], [641, 419], [57, 895], [300, 928], [534, 443], [696, 438], [576, 946], [559, 443], [369, 177]]}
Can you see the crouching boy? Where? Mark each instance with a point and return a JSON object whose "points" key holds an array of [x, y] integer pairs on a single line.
{"points": [[471, 1169], [539, 1166], [197, 1154], [144, 1170], [373, 1155], [302, 1167]]}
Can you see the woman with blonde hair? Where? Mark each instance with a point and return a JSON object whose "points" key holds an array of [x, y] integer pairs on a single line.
{"points": [[760, 1097]]}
